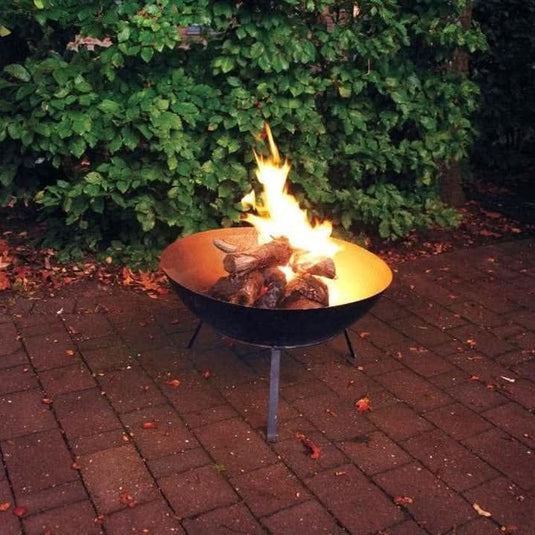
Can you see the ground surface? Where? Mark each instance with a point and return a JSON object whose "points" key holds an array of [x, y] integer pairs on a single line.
{"points": [[109, 425]]}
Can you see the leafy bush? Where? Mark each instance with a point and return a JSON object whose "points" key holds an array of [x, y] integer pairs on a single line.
{"points": [[506, 118], [119, 124]]}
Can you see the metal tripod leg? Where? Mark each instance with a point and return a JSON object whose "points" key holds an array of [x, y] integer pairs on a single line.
{"points": [[194, 336], [273, 406], [352, 357]]}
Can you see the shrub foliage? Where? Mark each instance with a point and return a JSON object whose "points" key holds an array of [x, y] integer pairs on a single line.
{"points": [[121, 125]]}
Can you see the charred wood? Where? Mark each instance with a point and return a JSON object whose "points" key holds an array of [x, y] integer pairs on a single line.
{"points": [[240, 290], [309, 287], [275, 283]]}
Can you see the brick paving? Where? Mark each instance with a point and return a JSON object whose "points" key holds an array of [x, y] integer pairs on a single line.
{"points": [[96, 437]]}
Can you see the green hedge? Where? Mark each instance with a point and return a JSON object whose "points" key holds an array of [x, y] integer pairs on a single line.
{"points": [[142, 133]]}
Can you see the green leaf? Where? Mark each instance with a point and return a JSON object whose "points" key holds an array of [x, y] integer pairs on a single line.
{"points": [[98, 205], [93, 178], [7, 174], [147, 53], [346, 220], [122, 186], [81, 123], [61, 75], [225, 63], [233, 81], [222, 9], [42, 129], [39, 4], [257, 50], [4, 31], [384, 229], [109, 106], [18, 71], [77, 147], [185, 108], [81, 84], [123, 35], [14, 129]]}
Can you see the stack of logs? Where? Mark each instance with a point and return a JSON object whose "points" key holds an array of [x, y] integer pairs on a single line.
{"points": [[255, 278]]}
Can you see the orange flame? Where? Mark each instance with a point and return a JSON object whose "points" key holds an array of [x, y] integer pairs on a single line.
{"points": [[279, 214]]}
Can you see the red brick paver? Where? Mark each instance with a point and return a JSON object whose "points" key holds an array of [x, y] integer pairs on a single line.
{"points": [[117, 478], [197, 490], [357, 502]]}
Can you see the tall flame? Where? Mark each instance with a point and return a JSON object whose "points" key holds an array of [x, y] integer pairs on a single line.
{"points": [[279, 214]]}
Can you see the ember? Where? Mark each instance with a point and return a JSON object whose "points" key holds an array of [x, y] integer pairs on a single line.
{"points": [[293, 257]]}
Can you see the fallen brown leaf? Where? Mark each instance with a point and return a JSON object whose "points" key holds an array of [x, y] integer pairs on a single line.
{"points": [[148, 425], [5, 284], [128, 278], [403, 500], [175, 383], [489, 233], [4, 506], [363, 404], [492, 215], [127, 499], [313, 449]]}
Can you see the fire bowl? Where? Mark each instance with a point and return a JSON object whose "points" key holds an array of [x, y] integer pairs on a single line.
{"points": [[193, 264]]}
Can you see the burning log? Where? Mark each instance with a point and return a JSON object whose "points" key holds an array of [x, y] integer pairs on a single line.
{"points": [[322, 266], [275, 253], [275, 282], [240, 290], [309, 287]]}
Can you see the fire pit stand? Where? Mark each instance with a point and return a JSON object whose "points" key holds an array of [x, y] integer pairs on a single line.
{"points": [[274, 377]]}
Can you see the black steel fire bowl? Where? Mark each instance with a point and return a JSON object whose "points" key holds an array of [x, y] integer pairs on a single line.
{"points": [[193, 264]]}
